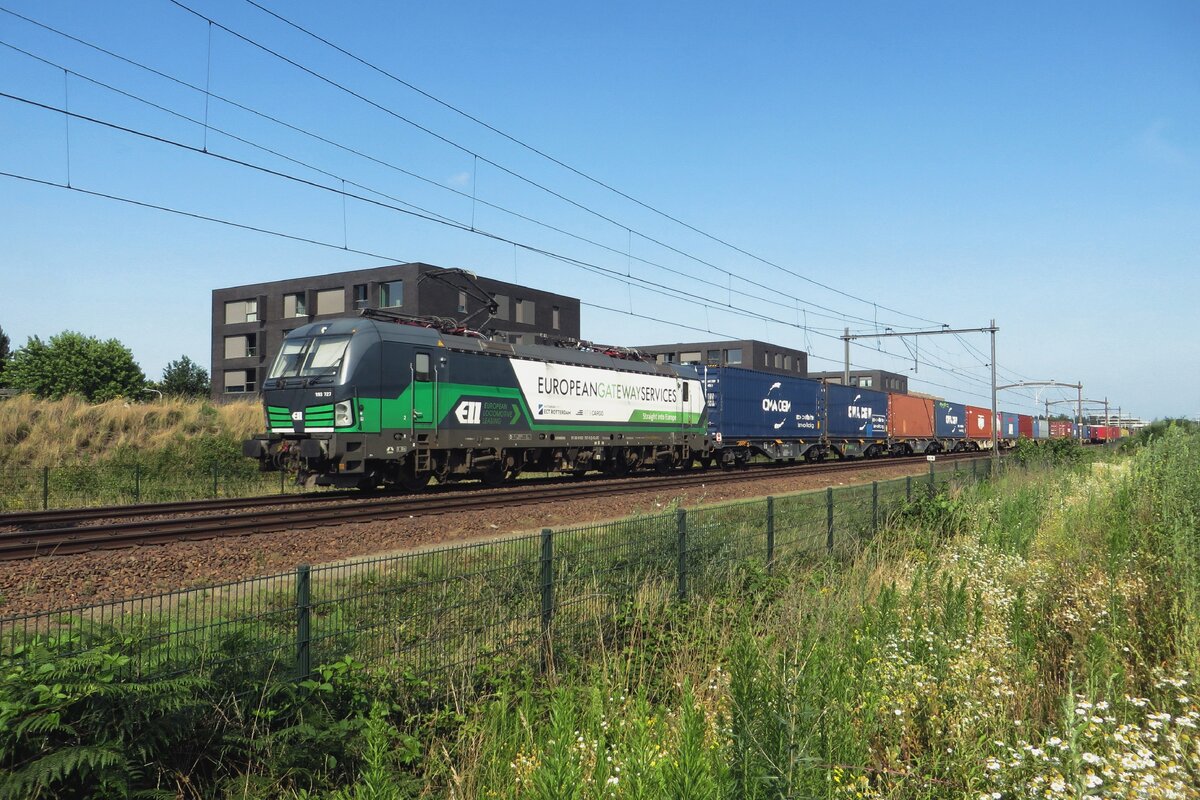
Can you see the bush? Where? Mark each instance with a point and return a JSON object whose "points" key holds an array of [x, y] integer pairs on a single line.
{"points": [[71, 363]]}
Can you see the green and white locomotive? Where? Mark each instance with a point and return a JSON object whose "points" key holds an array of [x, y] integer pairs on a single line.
{"points": [[368, 402]]}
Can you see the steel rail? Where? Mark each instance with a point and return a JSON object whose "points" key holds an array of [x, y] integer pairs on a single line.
{"points": [[125, 534]]}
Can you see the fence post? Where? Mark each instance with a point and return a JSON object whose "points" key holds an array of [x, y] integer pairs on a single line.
{"points": [[874, 508], [45, 488], [974, 476], [829, 519], [303, 621], [681, 535], [932, 482], [547, 595], [908, 488], [214, 493], [770, 534], [137, 483], [281, 477]]}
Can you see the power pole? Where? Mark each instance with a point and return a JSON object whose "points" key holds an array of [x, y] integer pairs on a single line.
{"points": [[944, 330]]}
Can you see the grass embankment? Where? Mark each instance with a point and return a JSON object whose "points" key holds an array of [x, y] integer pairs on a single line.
{"points": [[109, 452], [53, 433], [1035, 637]]}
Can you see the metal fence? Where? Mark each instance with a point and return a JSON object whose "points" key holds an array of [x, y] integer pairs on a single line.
{"points": [[87, 485], [434, 612]]}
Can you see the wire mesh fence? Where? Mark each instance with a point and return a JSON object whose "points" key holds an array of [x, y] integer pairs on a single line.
{"points": [[441, 611], [90, 485]]}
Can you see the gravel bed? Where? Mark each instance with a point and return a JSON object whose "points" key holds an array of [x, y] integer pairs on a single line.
{"points": [[58, 582]]}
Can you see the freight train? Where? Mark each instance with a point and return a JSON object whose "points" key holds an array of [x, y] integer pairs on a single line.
{"points": [[374, 401]]}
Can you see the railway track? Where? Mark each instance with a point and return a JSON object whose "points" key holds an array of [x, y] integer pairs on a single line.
{"points": [[60, 532]]}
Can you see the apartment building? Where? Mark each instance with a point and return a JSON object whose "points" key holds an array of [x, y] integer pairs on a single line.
{"points": [[249, 322], [747, 353]]}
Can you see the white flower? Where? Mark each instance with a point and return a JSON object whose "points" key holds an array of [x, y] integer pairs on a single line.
{"points": [[1093, 780], [1092, 759], [612, 781]]}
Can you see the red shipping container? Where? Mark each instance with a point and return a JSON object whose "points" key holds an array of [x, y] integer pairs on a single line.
{"points": [[910, 417], [1025, 426], [1061, 429], [979, 423]]}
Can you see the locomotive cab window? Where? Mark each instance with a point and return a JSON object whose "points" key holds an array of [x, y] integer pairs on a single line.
{"points": [[310, 357], [421, 367]]}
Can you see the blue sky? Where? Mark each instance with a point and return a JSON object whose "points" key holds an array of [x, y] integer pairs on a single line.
{"points": [[1038, 164]]}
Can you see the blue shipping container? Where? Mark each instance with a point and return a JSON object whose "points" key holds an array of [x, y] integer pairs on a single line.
{"points": [[949, 420], [744, 404], [1010, 426], [1041, 429], [854, 413]]}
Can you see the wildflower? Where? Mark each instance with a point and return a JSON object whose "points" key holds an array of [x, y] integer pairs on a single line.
{"points": [[1093, 780], [1092, 759]]}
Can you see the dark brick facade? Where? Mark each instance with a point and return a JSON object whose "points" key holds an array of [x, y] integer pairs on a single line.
{"points": [[747, 353], [249, 322], [878, 379]]}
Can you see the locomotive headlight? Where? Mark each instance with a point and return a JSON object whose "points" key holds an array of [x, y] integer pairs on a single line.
{"points": [[343, 414]]}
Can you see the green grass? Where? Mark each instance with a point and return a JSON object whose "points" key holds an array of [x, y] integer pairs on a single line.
{"points": [[1032, 636]]}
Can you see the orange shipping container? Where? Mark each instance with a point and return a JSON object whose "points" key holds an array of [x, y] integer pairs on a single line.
{"points": [[910, 417], [979, 423]]}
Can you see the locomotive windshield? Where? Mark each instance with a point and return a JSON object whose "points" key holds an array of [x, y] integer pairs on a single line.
{"points": [[311, 357]]}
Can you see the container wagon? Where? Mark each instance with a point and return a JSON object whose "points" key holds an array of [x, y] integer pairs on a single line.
{"points": [[758, 413], [910, 425], [856, 421]]}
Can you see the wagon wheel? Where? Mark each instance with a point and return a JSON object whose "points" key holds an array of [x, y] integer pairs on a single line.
{"points": [[414, 481]]}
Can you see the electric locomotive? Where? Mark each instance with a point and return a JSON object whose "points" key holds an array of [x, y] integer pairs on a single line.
{"points": [[373, 401]]}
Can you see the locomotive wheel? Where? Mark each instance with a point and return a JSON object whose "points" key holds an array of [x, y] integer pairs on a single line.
{"points": [[493, 475]]}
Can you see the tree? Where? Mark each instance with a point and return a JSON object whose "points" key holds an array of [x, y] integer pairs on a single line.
{"points": [[3, 353], [71, 363], [185, 378]]}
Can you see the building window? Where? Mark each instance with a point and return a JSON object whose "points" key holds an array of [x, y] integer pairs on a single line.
{"points": [[787, 363], [294, 305], [241, 311], [501, 306], [243, 346], [714, 357], [526, 312], [733, 355], [331, 301], [865, 381], [462, 302], [360, 295], [779, 361], [766, 359], [690, 358], [391, 294], [239, 381], [554, 321]]}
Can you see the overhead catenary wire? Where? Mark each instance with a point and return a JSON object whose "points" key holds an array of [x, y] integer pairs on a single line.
{"points": [[545, 251], [833, 314], [610, 273], [568, 167]]}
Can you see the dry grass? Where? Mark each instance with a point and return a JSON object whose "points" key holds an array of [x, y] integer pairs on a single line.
{"points": [[50, 433]]}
